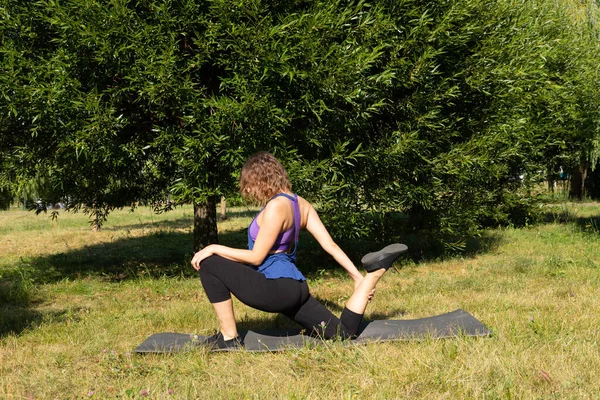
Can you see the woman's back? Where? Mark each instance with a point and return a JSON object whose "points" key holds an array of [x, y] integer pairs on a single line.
{"points": [[290, 215]]}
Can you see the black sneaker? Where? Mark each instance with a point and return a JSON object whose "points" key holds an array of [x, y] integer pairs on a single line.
{"points": [[383, 258], [217, 342]]}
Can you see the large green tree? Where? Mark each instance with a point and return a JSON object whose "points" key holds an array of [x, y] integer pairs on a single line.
{"points": [[441, 110]]}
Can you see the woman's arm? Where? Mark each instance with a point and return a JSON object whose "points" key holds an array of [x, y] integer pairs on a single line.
{"points": [[320, 233], [273, 220]]}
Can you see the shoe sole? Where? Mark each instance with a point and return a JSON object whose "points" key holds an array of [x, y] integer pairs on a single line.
{"points": [[383, 258]]}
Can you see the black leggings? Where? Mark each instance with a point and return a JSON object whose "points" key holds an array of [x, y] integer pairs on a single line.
{"points": [[221, 277]]}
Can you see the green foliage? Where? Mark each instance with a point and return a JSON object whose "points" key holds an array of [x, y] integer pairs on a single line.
{"points": [[73, 127], [546, 79], [444, 111]]}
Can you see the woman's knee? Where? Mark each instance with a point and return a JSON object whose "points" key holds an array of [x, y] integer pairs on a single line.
{"points": [[208, 264]]}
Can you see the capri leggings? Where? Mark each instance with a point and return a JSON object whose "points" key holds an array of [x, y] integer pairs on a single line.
{"points": [[221, 277]]}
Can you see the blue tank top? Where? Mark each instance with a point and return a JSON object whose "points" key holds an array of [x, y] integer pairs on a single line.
{"points": [[283, 264]]}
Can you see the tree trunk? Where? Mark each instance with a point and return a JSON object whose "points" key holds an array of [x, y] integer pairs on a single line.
{"points": [[223, 208], [95, 224], [205, 224], [95, 219], [578, 182]]}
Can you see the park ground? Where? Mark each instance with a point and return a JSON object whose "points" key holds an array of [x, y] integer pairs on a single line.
{"points": [[74, 304]]}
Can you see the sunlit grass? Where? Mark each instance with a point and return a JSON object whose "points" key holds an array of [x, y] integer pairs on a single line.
{"points": [[69, 332]]}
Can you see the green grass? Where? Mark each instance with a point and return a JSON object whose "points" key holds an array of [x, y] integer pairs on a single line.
{"points": [[73, 305]]}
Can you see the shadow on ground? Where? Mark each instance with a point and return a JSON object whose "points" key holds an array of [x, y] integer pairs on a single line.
{"points": [[168, 253], [589, 224], [278, 321], [171, 224], [16, 319], [16, 306]]}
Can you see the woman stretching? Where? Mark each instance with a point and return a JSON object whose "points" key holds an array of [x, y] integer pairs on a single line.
{"points": [[265, 276]]}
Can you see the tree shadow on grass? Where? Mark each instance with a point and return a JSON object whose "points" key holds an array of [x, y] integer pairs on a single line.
{"points": [[589, 224], [16, 319], [168, 253], [157, 254], [423, 248], [174, 224], [183, 223], [16, 313], [18, 308], [167, 225], [281, 322]]}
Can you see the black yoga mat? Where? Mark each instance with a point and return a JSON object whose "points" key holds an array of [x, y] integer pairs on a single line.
{"points": [[452, 324]]}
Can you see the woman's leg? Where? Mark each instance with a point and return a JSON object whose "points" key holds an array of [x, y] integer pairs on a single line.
{"points": [[221, 277], [318, 320], [357, 303], [227, 325]]}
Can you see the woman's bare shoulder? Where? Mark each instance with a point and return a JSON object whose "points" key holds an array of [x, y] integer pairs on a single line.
{"points": [[278, 204], [276, 209], [305, 209], [303, 202]]}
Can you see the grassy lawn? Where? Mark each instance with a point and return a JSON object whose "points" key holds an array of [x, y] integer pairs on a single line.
{"points": [[74, 304]]}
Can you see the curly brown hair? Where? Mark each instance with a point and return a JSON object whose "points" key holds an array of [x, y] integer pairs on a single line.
{"points": [[262, 177]]}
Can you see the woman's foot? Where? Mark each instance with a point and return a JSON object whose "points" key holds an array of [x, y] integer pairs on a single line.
{"points": [[217, 342], [384, 258]]}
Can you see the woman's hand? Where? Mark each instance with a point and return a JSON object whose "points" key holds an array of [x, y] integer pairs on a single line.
{"points": [[201, 256], [371, 294]]}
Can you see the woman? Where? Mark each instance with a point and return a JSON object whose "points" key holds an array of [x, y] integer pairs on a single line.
{"points": [[265, 276]]}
